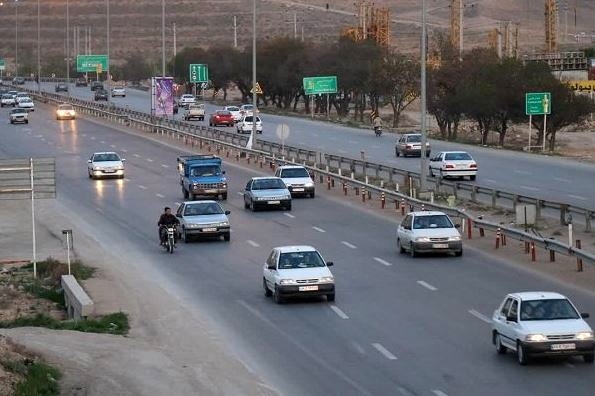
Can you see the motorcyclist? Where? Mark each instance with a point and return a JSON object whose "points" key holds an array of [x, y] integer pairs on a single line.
{"points": [[166, 219], [377, 125]]}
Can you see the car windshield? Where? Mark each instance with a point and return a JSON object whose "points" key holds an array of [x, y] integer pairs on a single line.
{"points": [[203, 209], [18, 111], [233, 108], [106, 157], [554, 309], [300, 260], [414, 139], [205, 171], [65, 107], [457, 157], [432, 221], [6, 96], [268, 184], [294, 172], [248, 107]]}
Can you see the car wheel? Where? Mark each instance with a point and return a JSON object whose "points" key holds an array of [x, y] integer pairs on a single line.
{"points": [[397, 153], [330, 297], [522, 357], [246, 205], [431, 172], [227, 237], [441, 174], [185, 236], [501, 349], [400, 247], [224, 197], [26, 121], [267, 291], [288, 207], [252, 206], [588, 358], [459, 253], [277, 297], [412, 250], [312, 194], [472, 177], [89, 173]]}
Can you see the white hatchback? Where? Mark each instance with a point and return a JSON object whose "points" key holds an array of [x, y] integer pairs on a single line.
{"points": [[297, 179], [186, 100], [119, 91], [235, 112], [428, 232], [105, 164], [453, 164], [297, 271], [541, 324]]}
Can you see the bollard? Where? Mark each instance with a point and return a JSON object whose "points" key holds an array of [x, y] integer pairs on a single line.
{"points": [[356, 190], [321, 178], [261, 162], [333, 182], [469, 233], [328, 182], [552, 256], [382, 200], [527, 247], [503, 236], [369, 195], [498, 238], [248, 158], [227, 153], [396, 204], [344, 188], [402, 207], [238, 156], [271, 164], [579, 261], [533, 253], [481, 232], [363, 194]]}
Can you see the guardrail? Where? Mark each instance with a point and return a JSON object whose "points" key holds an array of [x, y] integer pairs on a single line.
{"points": [[209, 139], [78, 303]]}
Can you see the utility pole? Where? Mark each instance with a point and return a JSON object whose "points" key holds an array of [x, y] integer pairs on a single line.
{"points": [[424, 138], [68, 45], [461, 7], [38, 50], [254, 95], [16, 38], [108, 77], [302, 33], [163, 38], [175, 43], [295, 25], [235, 32]]}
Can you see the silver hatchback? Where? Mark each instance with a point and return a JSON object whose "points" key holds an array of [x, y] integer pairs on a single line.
{"points": [[410, 144], [266, 192]]}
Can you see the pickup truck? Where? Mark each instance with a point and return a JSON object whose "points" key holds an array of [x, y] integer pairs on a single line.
{"points": [[195, 111], [201, 175]]}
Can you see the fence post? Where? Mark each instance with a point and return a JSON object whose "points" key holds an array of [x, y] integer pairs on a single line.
{"points": [[563, 211], [588, 216], [579, 261], [494, 198]]}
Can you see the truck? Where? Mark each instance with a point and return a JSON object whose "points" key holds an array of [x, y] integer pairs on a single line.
{"points": [[195, 111], [202, 176]]}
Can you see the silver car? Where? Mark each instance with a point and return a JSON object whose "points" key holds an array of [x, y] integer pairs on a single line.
{"points": [[105, 164], [410, 144], [203, 219], [19, 115], [266, 192], [428, 232]]}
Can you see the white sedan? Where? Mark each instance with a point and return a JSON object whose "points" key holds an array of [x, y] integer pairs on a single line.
{"points": [[235, 112], [453, 164], [186, 100], [119, 91], [245, 125], [26, 103], [105, 164]]}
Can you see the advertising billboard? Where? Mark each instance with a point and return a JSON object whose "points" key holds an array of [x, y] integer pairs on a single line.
{"points": [[162, 96]]}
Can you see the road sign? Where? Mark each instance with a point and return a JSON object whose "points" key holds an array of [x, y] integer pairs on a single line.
{"points": [[99, 68], [538, 103], [88, 63], [2, 64], [320, 85], [258, 89], [199, 73]]}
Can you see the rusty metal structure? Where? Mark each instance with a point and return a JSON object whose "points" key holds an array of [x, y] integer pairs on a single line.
{"points": [[373, 24], [551, 26]]}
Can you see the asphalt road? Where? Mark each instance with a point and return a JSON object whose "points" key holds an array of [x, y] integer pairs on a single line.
{"points": [[400, 326], [544, 177]]}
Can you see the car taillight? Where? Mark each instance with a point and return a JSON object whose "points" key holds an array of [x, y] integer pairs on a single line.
{"points": [[449, 166], [473, 166]]}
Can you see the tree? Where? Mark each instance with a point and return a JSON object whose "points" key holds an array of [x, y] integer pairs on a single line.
{"points": [[135, 68]]}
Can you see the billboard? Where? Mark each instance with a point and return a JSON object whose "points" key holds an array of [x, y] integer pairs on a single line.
{"points": [[582, 85], [162, 96]]}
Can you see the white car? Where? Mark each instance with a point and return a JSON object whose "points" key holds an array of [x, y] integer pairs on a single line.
{"points": [[246, 109], [245, 125], [297, 179], [541, 324], [119, 91], [7, 100], [186, 100], [20, 96], [105, 164], [297, 271], [26, 103], [203, 219], [428, 232], [235, 112], [453, 164], [65, 112], [19, 116]]}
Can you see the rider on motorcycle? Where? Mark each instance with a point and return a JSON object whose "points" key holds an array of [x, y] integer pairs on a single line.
{"points": [[377, 125], [167, 219]]}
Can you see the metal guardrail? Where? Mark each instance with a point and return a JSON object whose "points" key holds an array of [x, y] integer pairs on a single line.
{"points": [[201, 136]]}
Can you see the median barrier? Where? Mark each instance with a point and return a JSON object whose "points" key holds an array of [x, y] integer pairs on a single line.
{"points": [[78, 303]]}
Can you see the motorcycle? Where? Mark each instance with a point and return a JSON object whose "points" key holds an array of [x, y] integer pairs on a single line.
{"points": [[378, 130], [170, 242]]}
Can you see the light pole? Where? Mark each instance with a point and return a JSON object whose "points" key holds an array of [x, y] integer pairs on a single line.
{"points": [[254, 97], [68, 46], [38, 51], [424, 138], [108, 77], [163, 38], [16, 38]]}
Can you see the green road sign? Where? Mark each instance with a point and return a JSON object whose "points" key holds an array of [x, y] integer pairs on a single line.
{"points": [[199, 73], [320, 85], [538, 103], [90, 63], [2, 64]]}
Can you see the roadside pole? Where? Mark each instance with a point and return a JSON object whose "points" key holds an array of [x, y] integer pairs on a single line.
{"points": [[544, 130], [33, 236], [530, 120], [312, 105]]}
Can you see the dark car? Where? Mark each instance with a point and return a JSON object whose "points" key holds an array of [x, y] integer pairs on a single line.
{"points": [[101, 94], [95, 85], [80, 82], [61, 87], [18, 81]]}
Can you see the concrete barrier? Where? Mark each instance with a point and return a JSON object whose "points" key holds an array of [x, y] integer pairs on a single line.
{"points": [[78, 303]]}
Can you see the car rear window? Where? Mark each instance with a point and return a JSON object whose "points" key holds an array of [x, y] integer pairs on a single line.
{"points": [[223, 113], [268, 184], [233, 108], [554, 309], [457, 157], [414, 139], [432, 221]]}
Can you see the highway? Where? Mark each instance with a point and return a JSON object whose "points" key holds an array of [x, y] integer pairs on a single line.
{"points": [[400, 326], [546, 177]]}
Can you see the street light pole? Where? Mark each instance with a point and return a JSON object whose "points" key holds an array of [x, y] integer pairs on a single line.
{"points": [[424, 138], [254, 97], [163, 38], [108, 77], [16, 38], [68, 46], [38, 51]]}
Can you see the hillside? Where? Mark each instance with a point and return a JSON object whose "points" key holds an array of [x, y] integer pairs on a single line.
{"points": [[136, 24]]}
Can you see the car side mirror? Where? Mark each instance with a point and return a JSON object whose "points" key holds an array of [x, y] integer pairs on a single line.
{"points": [[584, 315], [227, 212], [271, 267], [88, 161], [123, 159], [329, 263], [222, 172], [407, 227], [511, 318], [457, 226]]}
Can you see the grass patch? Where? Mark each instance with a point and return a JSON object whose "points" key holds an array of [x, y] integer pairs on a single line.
{"points": [[54, 269], [41, 379], [115, 323], [40, 291]]}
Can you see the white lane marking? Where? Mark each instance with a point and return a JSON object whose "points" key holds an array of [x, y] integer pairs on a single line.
{"points": [[164, 166], [351, 142], [124, 150], [349, 245], [480, 316], [112, 145], [43, 139], [149, 160], [136, 155], [578, 197], [142, 187], [92, 137], [84, 135], [318, 229], [489, 180], [522, 172], [252, 243], [240, 193], [340, 313], [102, 142], [289, 215], [438, 392], [426, 285], [127, 179], [160, 195], [359, 348], [383, 262], [562, 179], [384, 351], [529, 188], [570, 365]]}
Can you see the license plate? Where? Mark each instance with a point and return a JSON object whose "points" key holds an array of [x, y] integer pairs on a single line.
{"points": [[298, 189], [440, 245], [108, 171], [209, 229], [562, 347], [274, 202], [210, 191], [308, 288]]}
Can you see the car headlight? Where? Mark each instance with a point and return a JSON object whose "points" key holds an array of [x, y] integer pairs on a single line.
{"points": [[223, 224], [586, 335], [327, 279], [455, 238], [287, 196], [422, 239], [192, 225], [287, 282], [535, 338], [261, 198], [309, 184]]}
